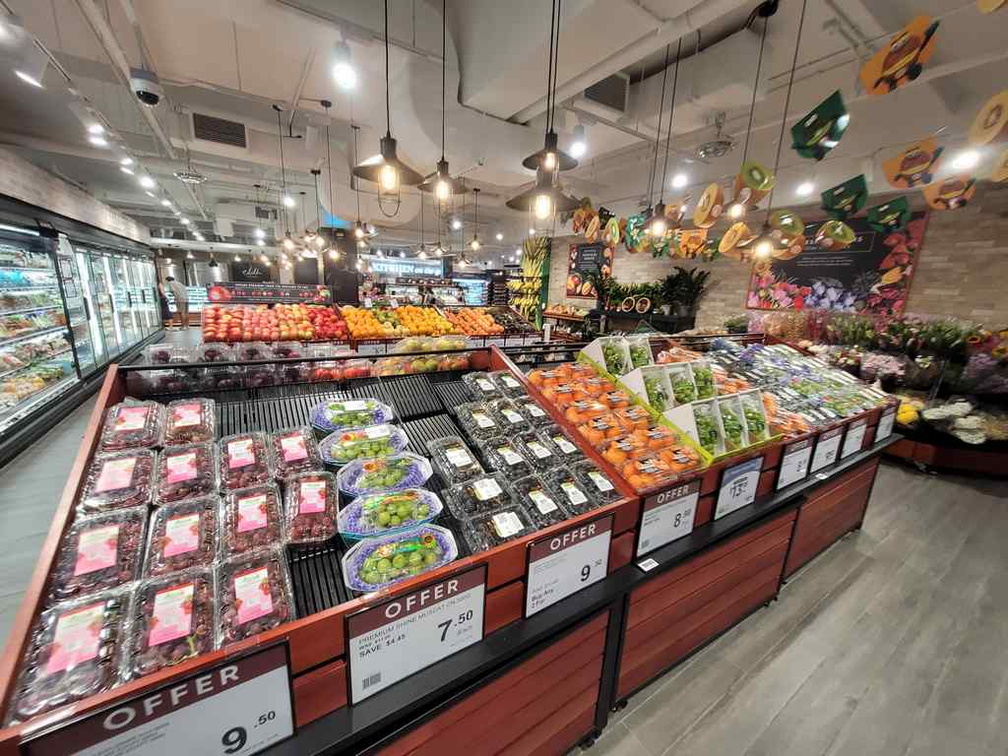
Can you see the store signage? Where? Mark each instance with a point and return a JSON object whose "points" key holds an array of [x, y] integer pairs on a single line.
{"points": [[738, 487], [251, 272], [241, 705], [794, 464], [885, 424], [401, 636], [668, 516], [854, 439], [566, 562], [826, 449], [402, 268], [250, 292], [586, 260]]}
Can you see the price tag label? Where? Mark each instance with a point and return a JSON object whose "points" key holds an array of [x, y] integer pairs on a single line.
{"points": [[668, 516], [401, 636], [855, 437], [368, 302], [826, 449], [566, 562], [495, 342], [794, 464], [738, 487], [885, 424], [243, 705]]}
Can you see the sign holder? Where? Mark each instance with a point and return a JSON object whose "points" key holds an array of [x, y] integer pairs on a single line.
{"points": [[672, 514], [795, 460], [827, 448], [738, 486]]}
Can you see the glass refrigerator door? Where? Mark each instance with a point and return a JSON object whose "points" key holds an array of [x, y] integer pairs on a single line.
{"points": [[122, 297], [91, 308], [76, 307], [101, 290], [148, 295]]}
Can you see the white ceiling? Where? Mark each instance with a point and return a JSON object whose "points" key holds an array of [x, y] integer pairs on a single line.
{"points": [[234, 59]]}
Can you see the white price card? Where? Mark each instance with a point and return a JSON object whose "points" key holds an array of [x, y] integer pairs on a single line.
{"points": [[499, 343], [794, 464], [401, 636], [564, 563], [826, 448], [668, 516], [242, 705], [885, 424], [854, 439], [738, 487]]}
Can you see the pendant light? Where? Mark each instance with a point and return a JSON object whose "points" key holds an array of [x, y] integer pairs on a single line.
{"points": [[441, 183], [359, 231], [386, 169], [657, 225], [334, 252], [474, 245], [422, 246]]}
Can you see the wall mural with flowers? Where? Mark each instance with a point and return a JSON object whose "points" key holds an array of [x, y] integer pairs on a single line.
{"points": [[872, 275]]}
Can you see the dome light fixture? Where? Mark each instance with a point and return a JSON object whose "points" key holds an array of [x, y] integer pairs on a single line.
{"points": [[261, 242], [259, 233], [579, 146], [441, 183], [343, 71], [126, 161]]}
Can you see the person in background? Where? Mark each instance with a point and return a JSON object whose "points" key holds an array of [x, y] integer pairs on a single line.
{"points": [[181, 300], [166, 315]]}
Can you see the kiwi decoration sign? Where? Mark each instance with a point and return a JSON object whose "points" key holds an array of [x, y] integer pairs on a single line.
{"points": [[868, 273], [585, 260]]}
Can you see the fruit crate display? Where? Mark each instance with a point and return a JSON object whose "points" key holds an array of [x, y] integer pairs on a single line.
{"points": [[395, 322], [281, 322]]}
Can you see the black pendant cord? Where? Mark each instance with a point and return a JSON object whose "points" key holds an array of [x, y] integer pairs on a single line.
{"points": [[787, 103], [752, 106], [657, 141], [356, 182], [318, 213], [328, 149], [388, 104], [556, 68], [444, 69], [283, 172], [668, 141], [549, 66]]}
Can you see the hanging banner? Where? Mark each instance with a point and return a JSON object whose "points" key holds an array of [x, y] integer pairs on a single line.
{"points": [[820, 131], [246, 292], [951, 193], [914, 166], [902, 59], [584, 260], [991, 123], [844, 200], [889, 216]]}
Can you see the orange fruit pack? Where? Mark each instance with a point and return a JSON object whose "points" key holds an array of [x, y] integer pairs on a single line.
{"points": [[656, 437], [580, 412], [633, 417], [561, 395], [615, 399], [602, 428], [646, 471], [619, 450]]}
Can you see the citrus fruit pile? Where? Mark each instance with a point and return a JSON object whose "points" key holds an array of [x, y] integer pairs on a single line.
{"points": [[423, 321], [364, 325], [474, 321]]}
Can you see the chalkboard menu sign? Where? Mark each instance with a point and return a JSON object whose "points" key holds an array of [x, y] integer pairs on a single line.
{"points": [[251, 271], [584, 260], [245, 292]]}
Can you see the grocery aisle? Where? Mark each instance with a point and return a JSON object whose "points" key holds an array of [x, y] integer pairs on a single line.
{"points": [[895, 641]]}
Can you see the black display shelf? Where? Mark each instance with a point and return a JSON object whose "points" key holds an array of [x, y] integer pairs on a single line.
{"points": [[316, 578], [453, 393], [412, 396]]}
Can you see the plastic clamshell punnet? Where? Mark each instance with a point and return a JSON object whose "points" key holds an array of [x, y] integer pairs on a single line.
{"points": [[132, 425], [245, 461], [497, 526], [252, 518], [453, 460], [377, 563], [388, 512], [181, 536], [185, 472], [254, 594], [120, 480], [394, 473], [310, 503], [189, 421]]}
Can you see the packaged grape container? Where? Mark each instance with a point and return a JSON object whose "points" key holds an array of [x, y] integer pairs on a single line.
{"points": [[567, 449], [703, 377], [536, 415], [453, 460], [75, 651], [119, 480], [213, 353], [537, 450], [755, 416], [99, 553], [181, 536], [167, 354], [131, 425], [490, 529], [639, 350], [252, 350], [252, 518], [288, 350], [387, 512], [680, 378], [220, 378], [333, 415], [478, 495], [708, 425], [185, 472], [507, 384], [245, 461], [293, 372], [343, 446], [478, 420], [540, 501], [173, 619], [189, 421], [254, 594], [260, 376], [377, 563], [294, 450], [310, 504], [506, 457], [594, 482], [395, 473], [574, 497], [482, 385], [732, 423]]}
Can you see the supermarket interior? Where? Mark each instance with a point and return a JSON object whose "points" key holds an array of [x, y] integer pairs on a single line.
{"points": [[625, 377]]}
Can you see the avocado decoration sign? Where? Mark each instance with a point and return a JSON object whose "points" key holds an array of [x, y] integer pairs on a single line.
{"points": [[820, 131], [902, 59], [914, 166], [950, 193], [586, 259]]}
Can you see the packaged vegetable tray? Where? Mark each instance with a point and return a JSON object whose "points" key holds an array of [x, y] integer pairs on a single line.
{"points": [[703, 378], [657, 387], [132, 425], [490, 529], [294, 450], [343, 446], [477, 420], [504, 456], [755, 416], [394, 473], [252, 518], [119, 480], [333, 415], [477, 495], [575, 498], [173, 619], [601, 429], [75, 651], [732, 423], [254, 594], [311, 500], [680, 378], [639, 349], [482, 386], [540, 501], [453, 460], [99, 553], [615, 355], [377, 563], [245, 461], [595, 482], [185, 472], [388, 512], [507, 384], [181, 536], [708, 425], [189, 421]]}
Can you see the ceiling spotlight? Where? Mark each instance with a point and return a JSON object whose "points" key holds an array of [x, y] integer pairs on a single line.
{"points": [[422, 254], [343, 71], [95, 128], [147, 182], [679, 180], [500, 236], [186, 221], [265, 260], [579, 146], [358, 230], [288, 201], [518, 250], [166, 203], [736, 210], [334, 254], [966, 160], [259, 233], [126, 169], [456, 224], [126, 161], [288, 242], [261, 242], [190, 255], [98, 140], [804, 189], [237, 258]]}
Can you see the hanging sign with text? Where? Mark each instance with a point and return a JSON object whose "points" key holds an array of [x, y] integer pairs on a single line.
{"points": [[668, 516], [566, 562]]}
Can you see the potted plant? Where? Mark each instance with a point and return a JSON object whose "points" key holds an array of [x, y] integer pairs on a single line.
{"points": [[684, 289]]}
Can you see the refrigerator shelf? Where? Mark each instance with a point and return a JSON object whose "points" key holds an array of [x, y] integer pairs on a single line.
{"points": [[39, 308], [37, 362], [34, 334], [30, 403]]}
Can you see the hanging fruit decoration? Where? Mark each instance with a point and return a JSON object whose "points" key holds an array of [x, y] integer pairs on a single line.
{"points": [[991, 123], [889, 216], [734, 239], [989, 6], [902, 59], [634, 237], [950, 193], [710, 206], [820, 131], [1000, 173], [753, 183], [914, 166], [690, 242], [788, 232]]}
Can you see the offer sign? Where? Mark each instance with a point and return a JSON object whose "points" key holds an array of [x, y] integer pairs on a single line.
{"points": [[667, 516], [566, 562], [885, 424], [242, 705], [401, 636], [854, 439], [738, 487], [794, 463], [827, 448]]}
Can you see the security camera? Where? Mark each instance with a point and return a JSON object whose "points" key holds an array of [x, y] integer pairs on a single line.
{"points": [[146, 86]]}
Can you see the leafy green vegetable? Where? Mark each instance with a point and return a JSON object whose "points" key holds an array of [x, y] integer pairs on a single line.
{"points": [[657, 397], [683, 389], [732, 428]]}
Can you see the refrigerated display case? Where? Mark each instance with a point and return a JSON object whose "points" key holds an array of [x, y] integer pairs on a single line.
{"points": [[102, 296], [88, 352]]}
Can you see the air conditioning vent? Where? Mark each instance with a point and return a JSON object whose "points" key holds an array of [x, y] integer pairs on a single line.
{"points": [[219, 130], [610, 93]]}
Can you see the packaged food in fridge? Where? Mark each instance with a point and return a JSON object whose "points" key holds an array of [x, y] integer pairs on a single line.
{"points": [[732, 422], [393, 473], [575, 498], [508, 416], [220, 378], [477, 420], [755, 416], [252, 518], [620, 449], [708, 425], [639, 350], [252, 350], [703, 378], [595, 482], [388, 512], [489, 529], [657, 387], [343, 446], [480, 494], [98, 553], [289, 350], [185, 472], [376, 563], [536, 415], [254, 594], [131, 425], [336, 414], [311, 500], [507, 383], [542, 377], [680, 378], [118, 480], [167, 354], [453, 460], [566, 448], [75, 651], [538, 450], [181, 536], [540, 501], [189, 421], [173, 619], [213, 352], [504, 456], [294, 450], [245, 461], [482, 385]]}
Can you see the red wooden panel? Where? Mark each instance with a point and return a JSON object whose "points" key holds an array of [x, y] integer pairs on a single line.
{"points": [[812, 538], [850, 478], [626, 515], [504, 606], [772, 456], [315, 640], [711, 478], [621, 550], [319, 692], [543, 733], [767, 479], [814, 512], [904, 449], [704, 510], [564, 739]]}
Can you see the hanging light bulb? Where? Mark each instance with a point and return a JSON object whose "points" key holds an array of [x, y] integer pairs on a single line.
{"points": [[343, 70], [261, 242], [543, 207], [388, 178], [442, 184], [422, 254], [288, 242], [579, 146], [237, 258], [658, 226], [474, 245], [736, 210], [288, 201], [334, 254]]}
